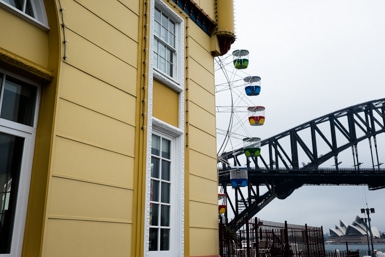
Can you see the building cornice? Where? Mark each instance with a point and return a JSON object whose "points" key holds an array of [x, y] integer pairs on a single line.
{"points": [[14, 61], [197, 15]]}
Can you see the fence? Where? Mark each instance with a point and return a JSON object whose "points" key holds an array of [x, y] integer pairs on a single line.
{"points": [[272, 239]]}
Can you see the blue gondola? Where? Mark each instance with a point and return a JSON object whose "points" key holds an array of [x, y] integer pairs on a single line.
{"points": [[254, 88], [238, 177]]}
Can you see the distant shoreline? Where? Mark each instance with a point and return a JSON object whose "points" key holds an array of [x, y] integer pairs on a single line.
{"points": [[354, 240]]}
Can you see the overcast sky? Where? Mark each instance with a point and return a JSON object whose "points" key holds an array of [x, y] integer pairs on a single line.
{"points": [[315, 57]]}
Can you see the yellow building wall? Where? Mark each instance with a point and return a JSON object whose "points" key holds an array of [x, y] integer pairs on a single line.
{"points": [[207, 6], [165, 104], [201, 141], [32, 44], [84, 184], [89, 210]]}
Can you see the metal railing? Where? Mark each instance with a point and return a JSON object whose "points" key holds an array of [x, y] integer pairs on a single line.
{"points": [[272, 239]]}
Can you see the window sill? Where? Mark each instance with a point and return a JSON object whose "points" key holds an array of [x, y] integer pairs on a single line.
{"points": [[172, 84]]}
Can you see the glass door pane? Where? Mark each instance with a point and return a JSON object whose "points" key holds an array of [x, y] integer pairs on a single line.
{"points": [[19, 101], [11, 150], [160, 195]]}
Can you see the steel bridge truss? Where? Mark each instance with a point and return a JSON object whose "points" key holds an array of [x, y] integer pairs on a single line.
{"points": [[337, 148]]}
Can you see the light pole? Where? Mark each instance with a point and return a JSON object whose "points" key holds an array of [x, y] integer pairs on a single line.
{"points": [[367, 234], [368, 211]]}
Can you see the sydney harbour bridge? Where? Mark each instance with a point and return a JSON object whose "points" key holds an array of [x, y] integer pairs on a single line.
{"points": [[345, 147]]}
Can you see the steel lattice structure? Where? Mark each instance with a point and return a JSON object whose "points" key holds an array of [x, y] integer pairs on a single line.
{"points": [[311, 154]]}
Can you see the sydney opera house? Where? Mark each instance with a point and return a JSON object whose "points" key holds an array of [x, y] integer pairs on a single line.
{"points": [[357, 232]]}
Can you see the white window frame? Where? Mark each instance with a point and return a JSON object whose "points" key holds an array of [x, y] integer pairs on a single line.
{"points": [[29, 134], [38, 7], [176, 81], [175, 135]]}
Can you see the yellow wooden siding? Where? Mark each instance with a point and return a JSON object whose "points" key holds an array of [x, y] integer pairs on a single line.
{"points": [[103, 34], [132, 5], [31, 44], [203, 215], [90, 195], [72, 199], [83, 125], [97, 95], [207, 6], [116, 14], [204, 242], [207, 193], [86, 238], [84, 162], [197, 34], [202, 165], [101, 64], [202, 119], [202, 142], [165, 104], [201, 76], [200, 53], [207, 102]]}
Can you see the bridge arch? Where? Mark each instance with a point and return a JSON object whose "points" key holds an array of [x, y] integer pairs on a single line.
{"points": [[302, 155]]}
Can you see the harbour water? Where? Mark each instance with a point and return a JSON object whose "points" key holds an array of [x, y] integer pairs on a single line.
{"points": [[363, 248]]}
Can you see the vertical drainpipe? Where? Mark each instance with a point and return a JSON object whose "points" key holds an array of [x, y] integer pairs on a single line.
{"points": [[224, 34]]}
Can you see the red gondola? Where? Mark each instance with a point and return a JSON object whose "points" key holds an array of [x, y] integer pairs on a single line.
{"points": [[256, 115]]}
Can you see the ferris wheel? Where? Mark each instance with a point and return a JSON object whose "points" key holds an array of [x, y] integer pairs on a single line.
{"points": [[237, 112]]}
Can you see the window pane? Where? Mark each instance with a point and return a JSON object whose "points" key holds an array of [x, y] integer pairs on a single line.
{"points": [[153, 244], [165, 216], [168, 55], [166, 170], [157, 16], [155, 60], [154, 197], [171, 35], [162, 64], [162, 50], [172, 40], [164, 34], [169, 62], [157, 28], [29, 9], [10, 162], [15, 3], [166, 148], [156, 51], [1, 82], [154, 214], [155, 167], [165, 239], [155, 145], [171, 27], [18, 101], [164, 21], [165, 194]]}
